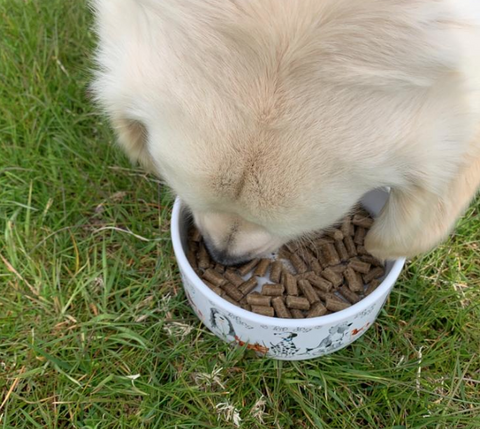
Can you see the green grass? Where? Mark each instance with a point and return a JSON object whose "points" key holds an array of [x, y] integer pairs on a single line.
{"points": [[95, 331]]}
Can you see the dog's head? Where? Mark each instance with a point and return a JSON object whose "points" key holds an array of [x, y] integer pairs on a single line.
{"points": [[269, 119]]}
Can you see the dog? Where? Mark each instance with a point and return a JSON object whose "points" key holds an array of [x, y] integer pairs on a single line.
{"points": [[270, 119]]}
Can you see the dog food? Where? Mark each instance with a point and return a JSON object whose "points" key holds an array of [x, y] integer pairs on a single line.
{"points": [[329, 273]]}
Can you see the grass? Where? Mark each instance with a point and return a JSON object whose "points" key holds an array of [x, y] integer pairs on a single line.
{"points": [[95, 331]]}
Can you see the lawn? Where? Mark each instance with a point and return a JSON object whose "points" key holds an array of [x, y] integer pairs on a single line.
{"points": [[95, 331]]}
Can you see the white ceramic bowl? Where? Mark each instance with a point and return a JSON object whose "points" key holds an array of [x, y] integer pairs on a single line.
{"points": [[286, 339]]}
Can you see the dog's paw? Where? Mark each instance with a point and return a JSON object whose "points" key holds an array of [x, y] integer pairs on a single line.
{"points": [[384, 246]]}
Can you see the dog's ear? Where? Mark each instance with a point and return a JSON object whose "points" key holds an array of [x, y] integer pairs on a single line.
{"points": [[132, 136]]}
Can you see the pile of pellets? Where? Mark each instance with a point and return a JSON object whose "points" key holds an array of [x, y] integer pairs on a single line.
{"points": [[322, 275]]}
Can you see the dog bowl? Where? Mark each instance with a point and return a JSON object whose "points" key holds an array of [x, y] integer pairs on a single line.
{"points": [[285, 339]]}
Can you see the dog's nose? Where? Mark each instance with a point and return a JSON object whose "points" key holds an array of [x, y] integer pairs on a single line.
{"points": [[224, 258]]}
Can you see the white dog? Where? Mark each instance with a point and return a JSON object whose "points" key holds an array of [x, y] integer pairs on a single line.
{"points": [[271, 118]]}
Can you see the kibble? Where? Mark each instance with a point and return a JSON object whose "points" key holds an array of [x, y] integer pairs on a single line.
{"points": [[233, 278], [320, 283], [362, 221], [334, 305], [203, 257], [359, 266], [248, 286], [298, 303], [373, 274], [264, 311], [329, 274], [280, 309], [359, 235], [297, 314], [276, 271], [262, 267], [214, 277], [245, 269], [290, 283], [347, 293], [350, 246], [317, 310], [372, 286], [341, 250], [308, 291], [232, 292], [298, 264], [273, 289], [333, 277], [354, 280], [258, 299]]}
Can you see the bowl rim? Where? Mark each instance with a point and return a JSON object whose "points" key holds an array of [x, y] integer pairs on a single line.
{"points": [[339, 316]]}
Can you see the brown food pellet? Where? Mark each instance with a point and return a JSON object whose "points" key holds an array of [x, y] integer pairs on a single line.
{"points": [[359, 235], [214, 277], [347, 228], [192, 259], [216, 289], [362, 251], [341, 250], [334, 305], [322, 259], [322, 241], [273, 289], [258, 299], [284, 253], [350, 296], [333, 277], [339, 268], [219, 268], [359, 266], [331, 254], [292, 246], [322, 295], [262, 267], [203, 257], [249, 266], [372, 286], [319, 283], [317, 310], [232, 291], [308, 291], [248, 286], [350, 246], [298, 302], [315, 266], [290, 283], [354, 280], [230, 300], [298, 264], [276, 271], [336, 234], [373, 274], [233, 277], [280, 309], [196, 236], [369, 259], [264, 311], [297, 314], [362, 221], [247, 307]]}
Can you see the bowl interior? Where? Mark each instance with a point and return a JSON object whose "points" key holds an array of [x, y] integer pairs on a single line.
{"points": [[373, 202]]}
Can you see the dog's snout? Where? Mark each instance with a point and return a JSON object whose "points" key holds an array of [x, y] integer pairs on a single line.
{"points": [[224, 257]]}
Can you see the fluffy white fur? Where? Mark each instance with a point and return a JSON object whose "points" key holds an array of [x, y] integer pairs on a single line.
{"points": [[272, 118]]}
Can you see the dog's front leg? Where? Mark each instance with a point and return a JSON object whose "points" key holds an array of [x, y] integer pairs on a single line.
{"points": [[415, 220]]}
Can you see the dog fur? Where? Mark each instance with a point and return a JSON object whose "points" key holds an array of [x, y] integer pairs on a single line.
{"points": [[270, 119]]}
